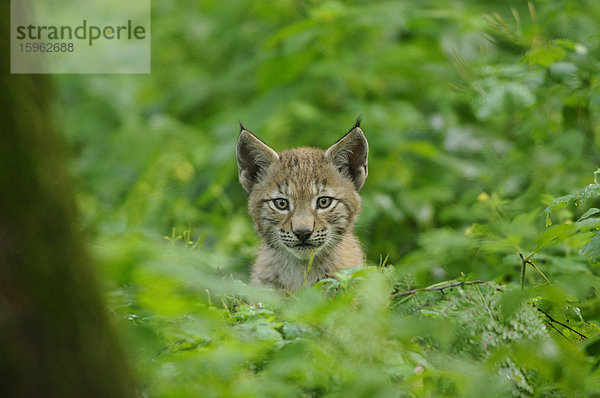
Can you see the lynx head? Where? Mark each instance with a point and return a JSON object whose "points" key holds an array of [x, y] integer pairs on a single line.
{"points": [[303, 199]]}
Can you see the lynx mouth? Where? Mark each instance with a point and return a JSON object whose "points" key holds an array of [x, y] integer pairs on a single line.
{"points": [[304, 245], [303, 250]]}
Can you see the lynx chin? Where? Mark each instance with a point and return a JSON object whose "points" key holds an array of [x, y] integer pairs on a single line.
{"points": [[303, 200]]}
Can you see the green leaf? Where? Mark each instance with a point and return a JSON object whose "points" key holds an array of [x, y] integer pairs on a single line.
{"points": [[590, 212], [589, 224], [557, 233], [592, 249], [592, 347], [545, 56], [592, 191]]}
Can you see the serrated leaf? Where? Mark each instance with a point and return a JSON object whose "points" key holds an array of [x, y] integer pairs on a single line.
{"points": [[545, 56], [589, 224], [557, 204], [591, 191], [592, 249], [590, 212]]}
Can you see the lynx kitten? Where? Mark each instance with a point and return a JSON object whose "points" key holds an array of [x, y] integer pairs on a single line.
{"points": [[303, 200]]}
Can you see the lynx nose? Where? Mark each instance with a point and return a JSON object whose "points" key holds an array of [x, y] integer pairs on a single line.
{"points": [[303, 234]]}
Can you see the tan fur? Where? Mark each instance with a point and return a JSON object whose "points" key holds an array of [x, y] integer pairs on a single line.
{"points": [[303, 177]]}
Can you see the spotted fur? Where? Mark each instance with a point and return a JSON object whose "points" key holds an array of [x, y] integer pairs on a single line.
{"points": [[303, 200]]}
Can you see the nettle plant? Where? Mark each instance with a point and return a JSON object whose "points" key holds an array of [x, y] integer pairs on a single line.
{"points": [[556, 264], [587, 226]]}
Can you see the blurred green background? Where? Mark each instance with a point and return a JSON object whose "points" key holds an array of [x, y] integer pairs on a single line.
{"points": [[478, 114]]}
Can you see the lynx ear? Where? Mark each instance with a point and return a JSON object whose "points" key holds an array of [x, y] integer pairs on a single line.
{"points": [[350, 156], [253, 158]]}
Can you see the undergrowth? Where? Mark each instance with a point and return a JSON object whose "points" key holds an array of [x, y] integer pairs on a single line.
{"points": [[371, 331]]}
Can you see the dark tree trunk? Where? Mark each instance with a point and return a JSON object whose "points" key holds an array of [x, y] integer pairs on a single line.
{"points": [[56, 339]]}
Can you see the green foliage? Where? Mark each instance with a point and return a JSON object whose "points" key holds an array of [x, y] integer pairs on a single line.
{"points": [[482, 124], [218, 337]]}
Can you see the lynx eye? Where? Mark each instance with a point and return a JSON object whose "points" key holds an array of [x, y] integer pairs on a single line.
{"points": [[281, 204], [324, 202]]}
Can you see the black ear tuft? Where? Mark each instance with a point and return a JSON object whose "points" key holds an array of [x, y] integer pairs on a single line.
{"points": [[242, 128], [357, 124]]}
